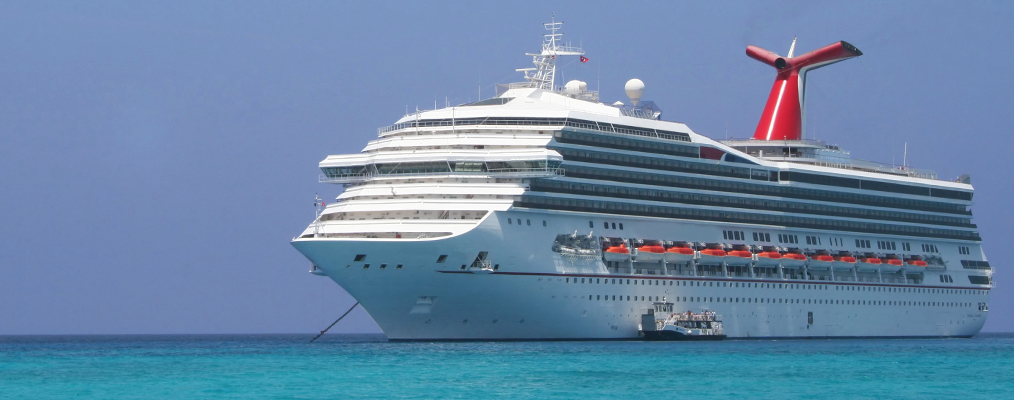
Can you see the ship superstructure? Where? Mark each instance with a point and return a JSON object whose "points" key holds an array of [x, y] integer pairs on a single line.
{"points": [[543, 213]]}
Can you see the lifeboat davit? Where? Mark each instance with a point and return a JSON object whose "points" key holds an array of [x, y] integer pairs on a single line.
{"points": [[712, 256], [650, 253], [768, 258], [617, 253], [738, 257], [821, 261], [679, 254], [844, 262], [793, 260]]}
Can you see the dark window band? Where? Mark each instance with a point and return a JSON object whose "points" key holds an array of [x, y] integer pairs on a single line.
{"points": [[607, 207], [624, 192], [973, 264], [874, 185], [746, 187]]}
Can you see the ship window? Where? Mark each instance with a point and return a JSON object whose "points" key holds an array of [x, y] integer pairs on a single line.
{"points": [[621, 226], [591, 224], [365, 266], [383, 266], [510, 221], [398, 267], [582, 280], [614, 225], [442, 258], [543, 222], [529, 222], [360, 257], [463, 267]]}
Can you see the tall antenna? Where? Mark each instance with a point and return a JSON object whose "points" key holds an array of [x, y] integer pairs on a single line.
{"points": [[543, 76], [904, 158]]}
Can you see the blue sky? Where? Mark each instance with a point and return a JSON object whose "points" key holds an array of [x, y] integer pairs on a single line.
{"points": [[157, 157]]}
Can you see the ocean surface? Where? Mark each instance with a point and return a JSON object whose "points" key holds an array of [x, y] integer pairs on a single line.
{"points": [[366, 366]]}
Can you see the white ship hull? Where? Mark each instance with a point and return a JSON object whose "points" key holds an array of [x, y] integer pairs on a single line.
{"points": [[536, 294], [493, 220]]}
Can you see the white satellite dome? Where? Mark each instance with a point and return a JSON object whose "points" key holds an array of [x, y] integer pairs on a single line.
{"points": [[618, 103], [575, 87], [634, 89]]}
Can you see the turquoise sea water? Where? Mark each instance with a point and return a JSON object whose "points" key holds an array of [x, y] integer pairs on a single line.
{"points": [[337, 366]]}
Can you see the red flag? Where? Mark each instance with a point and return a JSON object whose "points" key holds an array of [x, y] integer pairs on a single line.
{"points": [[584, 59]]}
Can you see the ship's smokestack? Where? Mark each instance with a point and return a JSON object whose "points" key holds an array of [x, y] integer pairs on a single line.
{"points": [[783, 114]]}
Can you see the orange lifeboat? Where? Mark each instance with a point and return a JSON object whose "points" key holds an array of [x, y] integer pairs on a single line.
{"points": [[622, 248], [768, 258], [652, 249], [679, 254], [650, 252], [617, 253], [869, 262], [793, 260], [918, 263], [895, 261], [738, 257], [821, 260], [844, 261], [712, 256]]}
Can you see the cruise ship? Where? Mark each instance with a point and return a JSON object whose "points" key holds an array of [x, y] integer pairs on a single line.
{"points": [[545, 213]]}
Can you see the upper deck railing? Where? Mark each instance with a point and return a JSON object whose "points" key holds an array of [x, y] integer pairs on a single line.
{"points": [[549, 122], [820, 153], [493, 173]]}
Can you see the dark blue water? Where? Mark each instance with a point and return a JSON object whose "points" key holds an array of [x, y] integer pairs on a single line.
{"points": [[286, 366]]}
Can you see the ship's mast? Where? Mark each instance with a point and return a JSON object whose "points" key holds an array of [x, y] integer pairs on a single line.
{"points": [[543, 76]]}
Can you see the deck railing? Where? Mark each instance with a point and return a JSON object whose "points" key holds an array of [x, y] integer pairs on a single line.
{"points": [[493, 173]]}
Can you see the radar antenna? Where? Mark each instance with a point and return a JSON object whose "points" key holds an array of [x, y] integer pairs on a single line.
{"points": [[543, 76]]}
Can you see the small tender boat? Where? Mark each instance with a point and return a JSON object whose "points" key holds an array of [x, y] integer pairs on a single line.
{"points": [[617, 253], [660, 323], [678, 254]]}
